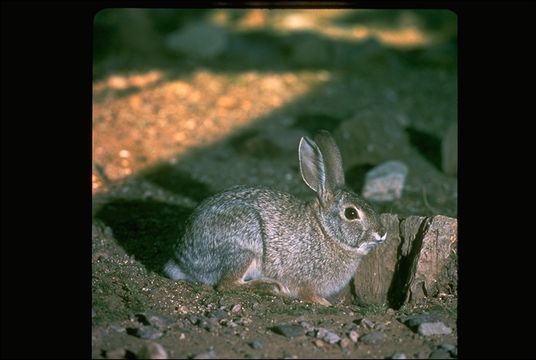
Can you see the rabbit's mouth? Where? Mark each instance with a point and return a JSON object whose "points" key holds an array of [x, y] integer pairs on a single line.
{"points": [[379, 238], [366, 246]]}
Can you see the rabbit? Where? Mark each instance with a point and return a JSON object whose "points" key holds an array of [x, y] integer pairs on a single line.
{"points": [[261, 237]]}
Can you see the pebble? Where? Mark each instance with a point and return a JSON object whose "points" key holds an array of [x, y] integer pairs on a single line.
{"points": [[386, 181], [158, 321], [236, 308], [152, 350], [328, 336], [414, 321], [319, 343], [353, 335], [344, 343], [439, 354], [399, 355], [307, 326], [216, 314], [289, 330], [373, 338], [117, 328], [366, 323], [211, 354], [255, 344], [146, 332], [433, 328]]}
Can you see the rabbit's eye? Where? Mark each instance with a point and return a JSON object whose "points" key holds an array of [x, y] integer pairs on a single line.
{"points": [[351, 213]]}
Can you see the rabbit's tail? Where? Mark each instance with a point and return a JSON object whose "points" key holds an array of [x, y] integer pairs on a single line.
{"points": [[174, 272]]}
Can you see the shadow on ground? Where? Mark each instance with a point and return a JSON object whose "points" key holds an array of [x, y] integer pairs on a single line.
{"points": [[146, 229]]}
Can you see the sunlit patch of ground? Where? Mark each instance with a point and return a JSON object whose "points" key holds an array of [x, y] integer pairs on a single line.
{"points": [[406, 34], [129, 129]]}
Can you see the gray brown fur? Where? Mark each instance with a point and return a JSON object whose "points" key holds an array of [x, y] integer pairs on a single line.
{"points": [[260, 236]]}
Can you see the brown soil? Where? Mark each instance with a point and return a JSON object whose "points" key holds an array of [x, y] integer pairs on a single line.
{"points": [[168, 132]]}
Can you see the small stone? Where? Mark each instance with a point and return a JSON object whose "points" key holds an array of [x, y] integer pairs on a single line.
{"points": [[216, 314], [399, 355], [414, 321], [307, 326], [118, 328], [93, 313], [118, 353], [236, 308], [439, 354], [433, 328], [211, 354], [345, 342], [385, 182], [288, 330], [158, 321], [255, 344], [146, 332], [319, 343], [353, 335], [373, 338], [152, 350], [328, 336], [366, 323], [228, 323]]}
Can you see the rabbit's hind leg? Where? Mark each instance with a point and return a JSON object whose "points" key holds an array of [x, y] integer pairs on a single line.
{"points": [[246, 273], [309, 295]]}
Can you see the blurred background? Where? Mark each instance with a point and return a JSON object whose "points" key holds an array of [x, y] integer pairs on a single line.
{"points": [[188, 102]]}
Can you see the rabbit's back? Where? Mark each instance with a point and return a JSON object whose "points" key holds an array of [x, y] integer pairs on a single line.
{"points": [[229, 226]]}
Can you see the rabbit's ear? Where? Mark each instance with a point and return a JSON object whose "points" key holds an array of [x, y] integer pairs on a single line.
{"points": [[312, 166], [332, 159]]}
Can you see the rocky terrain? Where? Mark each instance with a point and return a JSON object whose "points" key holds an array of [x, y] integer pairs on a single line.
{"points": [[188, 103]]}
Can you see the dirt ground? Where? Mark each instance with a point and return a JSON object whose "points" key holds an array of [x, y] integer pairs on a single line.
{"points": [[171, 128]]}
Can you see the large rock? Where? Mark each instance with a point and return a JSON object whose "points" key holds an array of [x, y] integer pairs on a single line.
{"points": [[375, 273], [368, 138], [198, 40], [410, 264], [438, 245], [386, 181]]}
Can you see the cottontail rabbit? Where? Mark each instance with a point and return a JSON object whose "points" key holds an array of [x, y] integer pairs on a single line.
{"points": [[262, 237]]}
